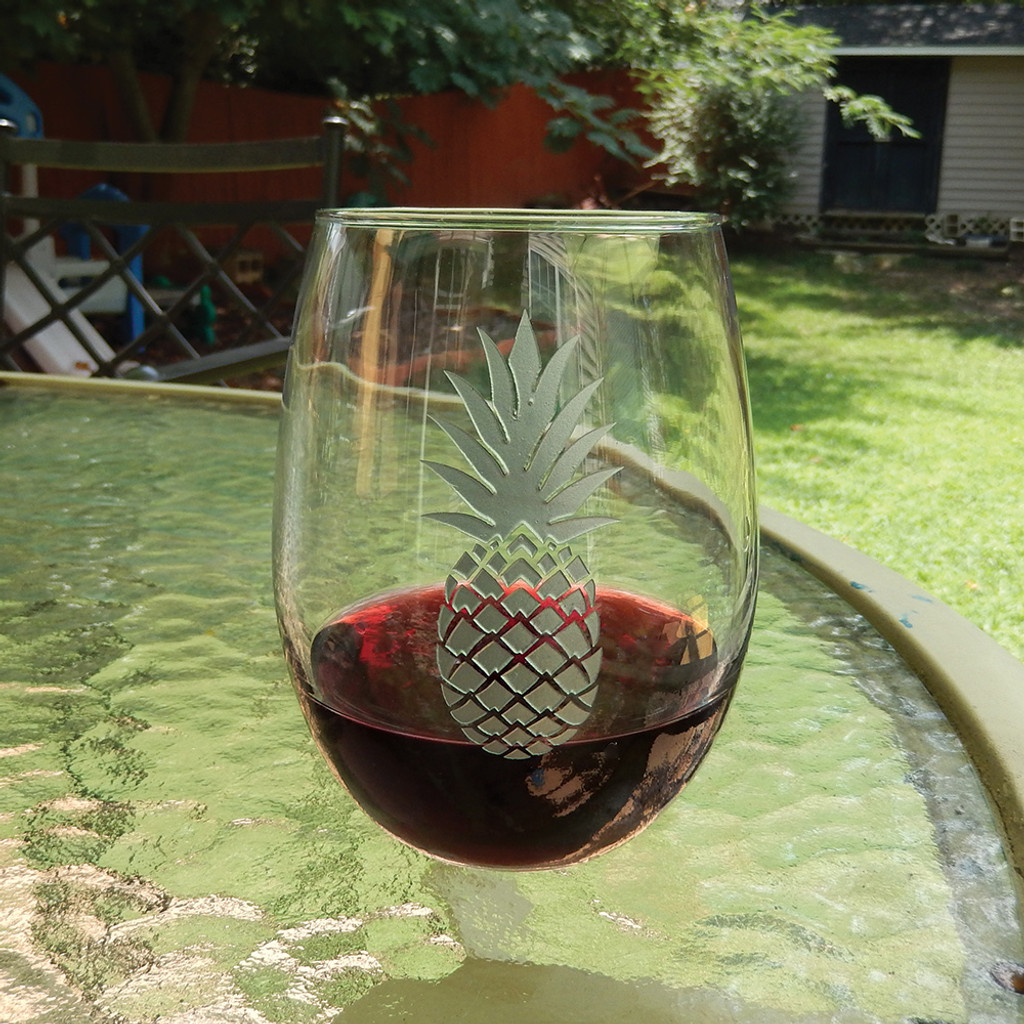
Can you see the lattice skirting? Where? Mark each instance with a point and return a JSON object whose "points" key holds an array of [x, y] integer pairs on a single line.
{"points": [[937, 227], [962, 225]]}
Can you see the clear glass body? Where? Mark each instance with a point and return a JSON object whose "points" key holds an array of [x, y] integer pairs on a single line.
{"points": [[515, 550]]}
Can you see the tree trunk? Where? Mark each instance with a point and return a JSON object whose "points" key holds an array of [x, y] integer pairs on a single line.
{"points": [[203, 32], [126, 79]]}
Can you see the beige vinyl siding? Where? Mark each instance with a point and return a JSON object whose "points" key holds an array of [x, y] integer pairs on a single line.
{"points": [[807, 161], [983, 144]]}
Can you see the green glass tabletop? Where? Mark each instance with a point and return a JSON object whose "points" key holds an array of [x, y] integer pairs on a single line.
{"points": [[174, 850]]}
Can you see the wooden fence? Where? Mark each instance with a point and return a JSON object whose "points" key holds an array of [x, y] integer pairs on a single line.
{"points": [[477, 156], [480, 155]]}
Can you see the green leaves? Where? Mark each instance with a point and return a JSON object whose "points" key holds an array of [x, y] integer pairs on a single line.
{"points": [[871, 111], [716, 77], [722, 110], [594, 117]]}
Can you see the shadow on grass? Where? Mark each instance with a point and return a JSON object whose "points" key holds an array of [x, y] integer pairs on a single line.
{"points": [[812, 327], [787, 396], [967, 299]]}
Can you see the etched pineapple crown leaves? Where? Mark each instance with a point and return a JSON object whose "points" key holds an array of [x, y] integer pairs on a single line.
{"points": [[524, 454]]}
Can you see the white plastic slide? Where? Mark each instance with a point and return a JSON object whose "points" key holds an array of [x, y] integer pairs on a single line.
{"points": [[54, 348]]}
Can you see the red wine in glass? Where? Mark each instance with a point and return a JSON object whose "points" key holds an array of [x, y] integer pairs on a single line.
{"points": [[374, 709]]}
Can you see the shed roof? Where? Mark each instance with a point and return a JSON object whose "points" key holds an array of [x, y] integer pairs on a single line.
{"points": [[920, 28]]}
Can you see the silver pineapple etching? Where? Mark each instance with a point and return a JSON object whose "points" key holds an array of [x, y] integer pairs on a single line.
{"points": [[518, 631]]}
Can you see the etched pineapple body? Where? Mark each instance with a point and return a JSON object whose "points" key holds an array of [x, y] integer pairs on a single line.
{"points": [[518, 631], [519, 645]]}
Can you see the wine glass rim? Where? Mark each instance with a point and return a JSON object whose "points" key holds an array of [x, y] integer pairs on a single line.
{"points": [[515, 219]]}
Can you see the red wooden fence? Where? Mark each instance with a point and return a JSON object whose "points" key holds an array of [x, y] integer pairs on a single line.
{"points": [[481, 156]]}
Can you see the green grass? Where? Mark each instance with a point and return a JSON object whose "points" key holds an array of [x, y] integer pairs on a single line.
{"points": [[888, 405]]}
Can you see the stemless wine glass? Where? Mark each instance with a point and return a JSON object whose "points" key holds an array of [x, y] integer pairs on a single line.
{"points": [[515, 529]]}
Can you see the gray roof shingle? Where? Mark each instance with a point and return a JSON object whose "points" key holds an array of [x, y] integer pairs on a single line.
{"points": [[918, 26]]}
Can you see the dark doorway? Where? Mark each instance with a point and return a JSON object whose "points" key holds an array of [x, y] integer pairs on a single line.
{"points": [[901, 174]]}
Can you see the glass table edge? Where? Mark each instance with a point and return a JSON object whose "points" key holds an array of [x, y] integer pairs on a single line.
{"points": [[977, 683], [113, 385]]}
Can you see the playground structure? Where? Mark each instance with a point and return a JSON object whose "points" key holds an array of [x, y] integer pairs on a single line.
{"points": [[66, 262], [54, 348]]}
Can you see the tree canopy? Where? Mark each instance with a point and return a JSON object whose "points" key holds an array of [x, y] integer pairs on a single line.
{"points": [[716, 75], [359, 48]]}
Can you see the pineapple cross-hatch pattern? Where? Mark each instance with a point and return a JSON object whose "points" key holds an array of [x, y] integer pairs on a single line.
{"points": [[518, 631]]}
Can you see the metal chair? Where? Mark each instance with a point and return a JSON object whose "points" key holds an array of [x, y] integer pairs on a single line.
{"points": [[44, 324]]}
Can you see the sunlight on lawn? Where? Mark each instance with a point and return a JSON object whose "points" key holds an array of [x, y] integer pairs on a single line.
{"points": [[887, 413]]}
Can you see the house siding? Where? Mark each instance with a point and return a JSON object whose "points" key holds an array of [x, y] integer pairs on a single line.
{"points": [[982, 169], [983, 146], [807, 160]]}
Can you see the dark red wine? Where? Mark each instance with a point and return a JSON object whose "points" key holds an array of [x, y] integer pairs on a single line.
{"points": [[375, 710]]}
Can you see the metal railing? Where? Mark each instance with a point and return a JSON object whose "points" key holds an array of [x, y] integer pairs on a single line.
{"points": [[49, 300]]}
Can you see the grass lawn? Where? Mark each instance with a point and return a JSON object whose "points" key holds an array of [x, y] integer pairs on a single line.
{"points": [[888, 405]]}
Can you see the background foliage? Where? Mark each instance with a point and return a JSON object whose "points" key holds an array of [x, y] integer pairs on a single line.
{"points": [[718, 79], [346, 49], [721, 91]]}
